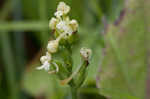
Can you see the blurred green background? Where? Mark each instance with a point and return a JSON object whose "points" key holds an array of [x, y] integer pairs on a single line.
{"points": [[24, 33]]}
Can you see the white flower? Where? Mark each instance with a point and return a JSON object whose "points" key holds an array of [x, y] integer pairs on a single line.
{"points": [[85, 53], [45, 66], [61, 26], [52, 23], [74, 25], [58, 14], [53, 46], [68, 32], [48, 58], [63, 7], [64, 27], [43, 59]]}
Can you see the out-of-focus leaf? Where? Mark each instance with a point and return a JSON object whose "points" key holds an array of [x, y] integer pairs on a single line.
{"points": [[90, 91], [96, 8], [111, 8], [0, 78], [39, 82], [30, 11], [8, 65], [124, 66]]}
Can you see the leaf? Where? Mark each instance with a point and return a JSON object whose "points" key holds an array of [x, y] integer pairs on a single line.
{"points": [[41, 83], [124, 66]]}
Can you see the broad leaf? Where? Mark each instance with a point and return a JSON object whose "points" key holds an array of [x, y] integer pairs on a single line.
{"points": [[124, 68]]}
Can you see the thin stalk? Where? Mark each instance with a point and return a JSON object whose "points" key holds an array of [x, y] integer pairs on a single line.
{"points": [[9, 64], [79, 73], [66, 81], [18, 36]]}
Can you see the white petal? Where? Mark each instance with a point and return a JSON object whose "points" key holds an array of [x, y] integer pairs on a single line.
{"points": [[61, 25], [58, 14], [41, 67], [57, 67], [45, 66]]}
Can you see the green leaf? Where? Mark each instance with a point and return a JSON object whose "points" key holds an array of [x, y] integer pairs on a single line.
{"points": [[123, 69], [39, 82]]}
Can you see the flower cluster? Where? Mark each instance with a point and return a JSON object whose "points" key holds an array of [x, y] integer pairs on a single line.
{"points": [[62, 23], [64, 27]]}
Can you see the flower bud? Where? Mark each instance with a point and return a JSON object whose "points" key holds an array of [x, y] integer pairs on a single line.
{"points": [[74, 25], [52, 46], [43, 59], [48, 57], [64, 27], [58, 14], [52, 23], [85, 53], [63, 7]]}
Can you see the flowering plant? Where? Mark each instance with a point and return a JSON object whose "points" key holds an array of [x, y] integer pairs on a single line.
{"points": [[64, 29]]}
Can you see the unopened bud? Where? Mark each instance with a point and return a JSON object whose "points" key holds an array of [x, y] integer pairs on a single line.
{"points": [[52, 46], [52, 23], [63, 7], [74, 25], [85, 53], [45, 58], [58, 14]]}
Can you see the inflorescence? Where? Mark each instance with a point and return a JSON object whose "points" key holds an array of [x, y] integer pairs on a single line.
{"points": [[64, 27]]}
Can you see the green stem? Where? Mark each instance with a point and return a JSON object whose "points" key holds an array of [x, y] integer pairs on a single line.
{"points": [[81, 75], [66, 81]]}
